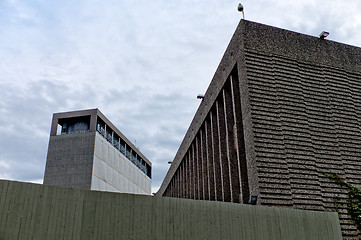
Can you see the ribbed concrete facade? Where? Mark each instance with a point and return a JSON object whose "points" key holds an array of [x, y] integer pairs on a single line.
{"points": [[282, 109]]}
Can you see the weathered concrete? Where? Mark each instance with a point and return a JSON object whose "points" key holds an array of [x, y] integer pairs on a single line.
{"points": [[32, 211], [70, 160]]}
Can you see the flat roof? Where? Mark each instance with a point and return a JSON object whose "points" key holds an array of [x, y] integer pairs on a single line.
{"points": [[95, 113]]}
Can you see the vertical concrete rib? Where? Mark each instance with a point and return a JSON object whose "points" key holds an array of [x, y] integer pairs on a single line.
{"points": [[216, 157], [195, 171], [231, 148], [181, 178], [209, 145], [176, 185], [174, 182], [191, 173], [171, 189], [227, 194], [179, 195], [200, 165], [205, 163], [186, 176], [174, 189], [179, 192], [239, 136], [196, 162], [180, 184]]}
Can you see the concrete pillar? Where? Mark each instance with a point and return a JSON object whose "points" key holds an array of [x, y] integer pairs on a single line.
{"points": [[175, 186], [171, 191], [179, 185], [194, 172], [226, 183], [231, 147], [239, 138], [204, 164], [199, 167], [216, 157], [188, 175], [184, 179], [209, 144], [180, 179], [93, 121]]}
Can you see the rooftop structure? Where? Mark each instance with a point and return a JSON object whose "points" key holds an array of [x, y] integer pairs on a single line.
{"points": [[282, 109], [87, 151]]}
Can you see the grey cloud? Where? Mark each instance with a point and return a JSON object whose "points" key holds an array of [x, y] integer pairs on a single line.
{"points": [[25, 124], [156, 121], [142, 63]]}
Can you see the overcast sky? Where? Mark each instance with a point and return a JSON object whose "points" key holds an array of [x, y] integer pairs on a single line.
{"points": [[142, 63]]}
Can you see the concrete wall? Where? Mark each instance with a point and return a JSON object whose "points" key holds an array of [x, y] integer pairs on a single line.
{"points": [[70, 160], [305, 101], [112, 171], [32, 211], [89, 161]]}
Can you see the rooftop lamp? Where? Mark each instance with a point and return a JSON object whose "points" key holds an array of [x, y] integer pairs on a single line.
{"points": [[324, 34], [241, 9]]}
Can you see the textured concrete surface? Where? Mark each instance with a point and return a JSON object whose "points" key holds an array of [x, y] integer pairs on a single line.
{"points": [[70, 160], [32, 211], [300, 102]]}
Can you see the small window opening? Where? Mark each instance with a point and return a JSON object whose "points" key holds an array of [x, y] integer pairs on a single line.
{"points": [[74, 125]]}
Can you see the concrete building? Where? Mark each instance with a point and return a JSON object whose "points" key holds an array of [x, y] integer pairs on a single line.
{"points": [[87, 151], [282, 109]]}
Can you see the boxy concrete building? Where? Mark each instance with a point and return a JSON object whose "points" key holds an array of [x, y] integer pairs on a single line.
{"points": [[282, 109], [87, 151]]}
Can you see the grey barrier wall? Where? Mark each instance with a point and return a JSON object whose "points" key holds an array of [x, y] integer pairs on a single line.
{"points": [[33, 211]]}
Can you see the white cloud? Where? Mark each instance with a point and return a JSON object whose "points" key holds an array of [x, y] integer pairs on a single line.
{"points": [[4, 165]]}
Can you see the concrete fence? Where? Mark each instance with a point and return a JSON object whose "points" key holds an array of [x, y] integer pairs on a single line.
{"points": [[32, 211]]}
